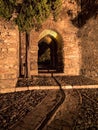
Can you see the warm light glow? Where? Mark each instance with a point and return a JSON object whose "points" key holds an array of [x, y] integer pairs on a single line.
{"points": [[48, 32]]}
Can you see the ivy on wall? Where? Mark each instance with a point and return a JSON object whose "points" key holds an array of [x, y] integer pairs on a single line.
{"points": [[28, 14]]}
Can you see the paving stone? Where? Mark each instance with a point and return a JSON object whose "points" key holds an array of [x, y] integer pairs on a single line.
{"points": [[32, 107], [38, 114], [73, 115], [14, 106]]}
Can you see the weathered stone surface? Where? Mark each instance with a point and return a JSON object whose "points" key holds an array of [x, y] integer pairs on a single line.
{"points": [[89, 48], [14, 106], [67, 32], [76, 112], [9, 41]]}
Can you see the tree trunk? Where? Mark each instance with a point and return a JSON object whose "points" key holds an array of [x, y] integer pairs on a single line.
{"points": [[23, 55], [26, 57]]}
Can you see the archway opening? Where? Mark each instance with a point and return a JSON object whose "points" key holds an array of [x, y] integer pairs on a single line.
{"points": [[50, 57], [47, 54]]}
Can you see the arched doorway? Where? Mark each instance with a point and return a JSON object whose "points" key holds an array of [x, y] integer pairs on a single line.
{"points": [[50, 57], [47, 54]]}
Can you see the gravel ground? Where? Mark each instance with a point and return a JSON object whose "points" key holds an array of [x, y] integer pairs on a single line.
{"points": [[14, 106]]}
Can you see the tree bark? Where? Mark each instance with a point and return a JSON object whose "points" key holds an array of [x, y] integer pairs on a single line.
{"points": [[26, 57], [23, 54]]}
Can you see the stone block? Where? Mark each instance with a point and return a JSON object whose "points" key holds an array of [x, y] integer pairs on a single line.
{"points": [[7, 90], [17, 89], [34, 72]]}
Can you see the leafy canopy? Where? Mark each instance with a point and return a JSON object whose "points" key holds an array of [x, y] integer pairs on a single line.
{"points": [[29, 14]]}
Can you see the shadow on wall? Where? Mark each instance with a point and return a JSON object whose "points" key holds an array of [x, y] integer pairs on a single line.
{"points": [[89, 46], [87, 22], [89, 9]]}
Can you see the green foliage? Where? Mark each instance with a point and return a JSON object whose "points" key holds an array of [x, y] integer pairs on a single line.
{"points": [[56, 8], [30, 13], [7, 8]]}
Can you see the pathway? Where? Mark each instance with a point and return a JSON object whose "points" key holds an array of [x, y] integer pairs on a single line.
{"points": [[75, 113]]}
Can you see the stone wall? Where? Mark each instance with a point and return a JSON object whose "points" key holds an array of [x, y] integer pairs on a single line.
{"points": [[79, 46], [89, 48], [9, 39], [70, 42]]}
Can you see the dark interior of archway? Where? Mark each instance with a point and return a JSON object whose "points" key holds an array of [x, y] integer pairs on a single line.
{"points": [[47, 56]]}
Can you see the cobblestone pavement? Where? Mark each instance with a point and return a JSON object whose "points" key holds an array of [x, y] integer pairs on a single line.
{"points": [[15, 106], [87, 117], [49, 81], [75, 80], [33, 119], [37, 81], [27, 110], [78, 112]]}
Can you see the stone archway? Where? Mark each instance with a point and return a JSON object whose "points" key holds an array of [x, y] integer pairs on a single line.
{"points": [[50, 54]]}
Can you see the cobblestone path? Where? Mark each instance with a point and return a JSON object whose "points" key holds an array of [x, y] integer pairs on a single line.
{"points": [[78, 112], [49, 81], [27, 110], [15, 106]]}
